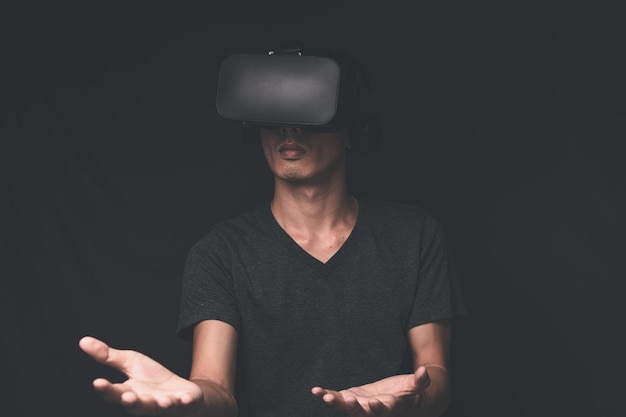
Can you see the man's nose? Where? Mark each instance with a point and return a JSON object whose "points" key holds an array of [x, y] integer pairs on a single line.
{"points": [[290, 132]]}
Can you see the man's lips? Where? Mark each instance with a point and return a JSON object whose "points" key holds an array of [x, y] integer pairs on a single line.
{"points": [[290, 147], [291, 150]]}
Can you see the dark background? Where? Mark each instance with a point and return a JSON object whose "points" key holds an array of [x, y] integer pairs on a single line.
{"points": [[505, 122]]}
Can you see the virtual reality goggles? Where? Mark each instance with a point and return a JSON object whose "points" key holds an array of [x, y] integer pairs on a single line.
{"points": [[319, 90]]}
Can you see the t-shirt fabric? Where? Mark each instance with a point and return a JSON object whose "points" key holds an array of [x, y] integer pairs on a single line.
{"points": [[303, 323]]}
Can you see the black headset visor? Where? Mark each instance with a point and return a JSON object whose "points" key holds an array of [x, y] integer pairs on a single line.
{"points": [[281, 90]]}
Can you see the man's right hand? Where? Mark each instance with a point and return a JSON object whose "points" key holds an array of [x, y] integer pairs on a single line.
{"points": [[151, 389]]}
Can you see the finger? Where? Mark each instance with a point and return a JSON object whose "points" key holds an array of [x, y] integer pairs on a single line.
{"points": [[139, 404], [147, 404], [332, 398], [95, 348], [353, 407], [378, 408], [345, 404], [177, 405], [129, 399], [422, 379], [187, 400], [318, 391], [110, 392], [325, 394], [103, 353], [166, 401]]}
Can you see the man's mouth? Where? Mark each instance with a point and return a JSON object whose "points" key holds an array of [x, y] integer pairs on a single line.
{"points": [[291, 151], [290, 146]]}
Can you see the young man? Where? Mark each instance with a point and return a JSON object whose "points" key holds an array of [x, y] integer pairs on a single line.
{"points": [[315, 304]]}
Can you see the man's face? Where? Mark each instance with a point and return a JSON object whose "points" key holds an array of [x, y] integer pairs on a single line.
{"points": [[303, 155]]}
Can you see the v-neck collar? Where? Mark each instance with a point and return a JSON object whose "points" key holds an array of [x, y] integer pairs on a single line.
{"points": [[305, 257]]}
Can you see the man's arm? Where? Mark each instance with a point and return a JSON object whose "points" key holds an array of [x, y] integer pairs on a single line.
{"points": [[213, 365], [425, 393], [152, 389], [430, 344]]}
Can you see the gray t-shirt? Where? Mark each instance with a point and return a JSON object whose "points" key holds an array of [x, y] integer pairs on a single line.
{"points": [[303, 323]]}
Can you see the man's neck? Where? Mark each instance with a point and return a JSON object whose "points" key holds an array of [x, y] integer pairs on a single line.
{"points": [[313, 207], [319, 220]]}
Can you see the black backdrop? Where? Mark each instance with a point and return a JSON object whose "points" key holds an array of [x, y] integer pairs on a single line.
{"points": [[504, 123]]}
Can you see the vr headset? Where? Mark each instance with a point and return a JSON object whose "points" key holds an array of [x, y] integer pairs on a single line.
{"points": [[316, 89]]}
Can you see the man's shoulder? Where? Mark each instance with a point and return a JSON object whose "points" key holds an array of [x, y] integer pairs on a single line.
{"points": [[249, 218], [239, 226], [399, 219]]}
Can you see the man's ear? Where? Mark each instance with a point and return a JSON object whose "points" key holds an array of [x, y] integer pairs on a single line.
{"points": [[366, 133]]}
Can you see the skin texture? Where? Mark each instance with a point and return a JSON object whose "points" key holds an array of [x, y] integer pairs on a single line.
{"points": [[312, 205], [150, 387]]}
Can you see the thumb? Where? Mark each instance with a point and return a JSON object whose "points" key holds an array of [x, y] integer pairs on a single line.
{"points": [[100, 351], [421, 378]]}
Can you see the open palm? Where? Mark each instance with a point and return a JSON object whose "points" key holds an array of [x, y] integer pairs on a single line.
{"points": [[389, 396], [150, 388]]}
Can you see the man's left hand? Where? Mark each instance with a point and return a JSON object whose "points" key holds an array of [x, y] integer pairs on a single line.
{"points": [[397, 395]]}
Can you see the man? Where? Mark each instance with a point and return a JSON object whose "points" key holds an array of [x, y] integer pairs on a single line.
{"points": [[317, 303]]}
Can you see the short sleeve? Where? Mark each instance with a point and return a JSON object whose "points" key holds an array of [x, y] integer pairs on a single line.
{"points": [[438, 293], [207, 288]]}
